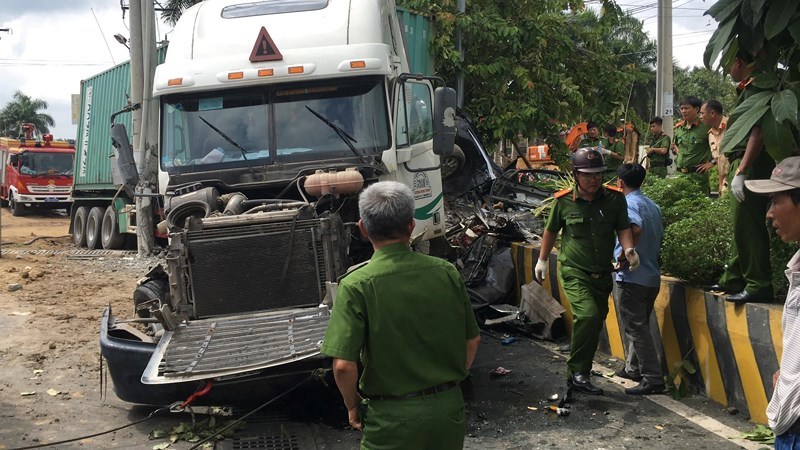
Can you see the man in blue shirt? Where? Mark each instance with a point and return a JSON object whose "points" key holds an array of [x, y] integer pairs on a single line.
{"points": [[636, 292]]}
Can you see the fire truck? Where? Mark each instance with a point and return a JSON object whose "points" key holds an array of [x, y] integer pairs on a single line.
{"points": [[37, 171]]}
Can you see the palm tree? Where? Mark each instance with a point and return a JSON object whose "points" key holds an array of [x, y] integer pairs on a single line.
{"points": [[24, 109], [172, 9]]}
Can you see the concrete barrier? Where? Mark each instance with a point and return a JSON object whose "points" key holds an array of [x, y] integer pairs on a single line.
{"points": [[734, 349]]}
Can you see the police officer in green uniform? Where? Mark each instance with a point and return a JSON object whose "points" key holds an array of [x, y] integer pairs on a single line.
{"points": [[691, 144], [591, 216], [659, 143], [748, 275], [613, 151], [408, 318], [592, 138]]}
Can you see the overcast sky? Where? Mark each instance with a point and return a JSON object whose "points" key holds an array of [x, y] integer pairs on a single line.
{"points": [[54, 44]]}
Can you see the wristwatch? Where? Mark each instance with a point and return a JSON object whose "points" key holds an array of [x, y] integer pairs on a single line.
{"points": [[713, 162], [740, 171]]}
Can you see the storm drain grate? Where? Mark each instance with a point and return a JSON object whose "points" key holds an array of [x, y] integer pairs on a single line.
{"points": [[265, 443]]}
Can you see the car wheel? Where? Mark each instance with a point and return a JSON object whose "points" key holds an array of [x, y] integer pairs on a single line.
{"points": [[79, 226], [453, 163], [148, 296], [110, 236], [93, 225]]}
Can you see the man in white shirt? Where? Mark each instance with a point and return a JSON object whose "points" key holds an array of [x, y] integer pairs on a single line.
{"points": [[783, 411]]}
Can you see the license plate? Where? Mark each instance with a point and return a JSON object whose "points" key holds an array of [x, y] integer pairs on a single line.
{"points": [[51, 200]]}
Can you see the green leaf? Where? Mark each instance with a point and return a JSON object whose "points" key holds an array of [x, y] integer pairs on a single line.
{"points": [[723, 8], [765, 80], [163, 446], [754, 101], [778, 16], [794, 30], [777, 136], [741, 128], [688, 366], [721, 37], [756, 8], [784, 106]]}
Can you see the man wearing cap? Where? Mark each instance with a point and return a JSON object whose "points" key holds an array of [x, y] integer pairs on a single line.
{"points": [[691, 144], [408, 318], [591, 216], [783, 411]]}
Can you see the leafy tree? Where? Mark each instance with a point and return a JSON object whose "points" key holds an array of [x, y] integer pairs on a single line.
{"points": [[704, 84], [769, 31], [24, 109]]}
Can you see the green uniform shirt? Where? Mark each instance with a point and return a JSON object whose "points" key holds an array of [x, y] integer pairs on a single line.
{"points": [[590, 229], [660, 141], [617, 147], [408, 317], [692, 141], [588, 142]]}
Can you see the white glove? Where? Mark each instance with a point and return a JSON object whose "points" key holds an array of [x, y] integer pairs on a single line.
{"points": [[633, 259], [604, 151], [737, 187], [540, 271]]}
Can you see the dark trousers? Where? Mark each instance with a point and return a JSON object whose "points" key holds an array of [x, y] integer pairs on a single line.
{"points": [[787, 441], [749, 266], [635, 303]]}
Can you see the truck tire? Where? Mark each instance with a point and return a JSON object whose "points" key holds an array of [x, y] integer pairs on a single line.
{"points": [[453, 163], [110, 236], [94, 223], [79, 226], [149, 294], [17, 209]]}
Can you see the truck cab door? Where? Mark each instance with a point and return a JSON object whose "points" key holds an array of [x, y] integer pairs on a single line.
{"points": [[417, 165]]}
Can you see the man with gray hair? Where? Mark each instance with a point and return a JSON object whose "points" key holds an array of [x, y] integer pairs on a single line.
{"points": [[407, 318]]}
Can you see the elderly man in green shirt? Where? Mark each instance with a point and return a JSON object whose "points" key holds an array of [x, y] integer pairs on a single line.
{"points": [[408, 318], [591, 216], [691, 145]]}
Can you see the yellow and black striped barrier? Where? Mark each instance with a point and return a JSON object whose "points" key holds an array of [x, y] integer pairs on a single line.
{"points": [[734, 349]]}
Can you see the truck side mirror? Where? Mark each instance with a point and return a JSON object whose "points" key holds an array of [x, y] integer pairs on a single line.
{"points": [[124, 154], [444, 121]]}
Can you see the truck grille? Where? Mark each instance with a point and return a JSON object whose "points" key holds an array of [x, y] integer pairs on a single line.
{"points": [[48, 189], [259, 266]]}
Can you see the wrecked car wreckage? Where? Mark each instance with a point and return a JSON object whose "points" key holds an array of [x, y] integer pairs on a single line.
{"points": [[243, 299]]}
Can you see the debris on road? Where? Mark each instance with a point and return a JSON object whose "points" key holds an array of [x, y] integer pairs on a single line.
{"points": [[14, 287], [500, 371]]}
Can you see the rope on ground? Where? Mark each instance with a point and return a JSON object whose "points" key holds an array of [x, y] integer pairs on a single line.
{"points": [[51, 444], [45, 237]]}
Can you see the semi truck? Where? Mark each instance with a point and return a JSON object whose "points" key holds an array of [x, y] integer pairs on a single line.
{"points": [[273, 117], [37, 171]]}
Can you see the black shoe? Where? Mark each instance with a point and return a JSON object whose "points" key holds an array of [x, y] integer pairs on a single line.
{"points": [[720, 288], [745, 297], [645, 388], [622, 373], [581, 382]]}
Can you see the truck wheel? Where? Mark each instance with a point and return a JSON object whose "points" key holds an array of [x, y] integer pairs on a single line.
{"points": [[152, 293], [110, 236], [17, 209], [93, 224], [79, 226], [453, 163]]}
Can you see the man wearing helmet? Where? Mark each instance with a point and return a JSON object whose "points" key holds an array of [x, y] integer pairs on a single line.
{"points": [[591, 216]]}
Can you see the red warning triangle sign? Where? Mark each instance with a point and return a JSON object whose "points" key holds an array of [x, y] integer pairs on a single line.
{"points": [[265, 48]]}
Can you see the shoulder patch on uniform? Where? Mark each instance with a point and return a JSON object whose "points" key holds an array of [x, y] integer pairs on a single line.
{"points": [[352, 269], [680, 123], [562, 193], [613, 188]]}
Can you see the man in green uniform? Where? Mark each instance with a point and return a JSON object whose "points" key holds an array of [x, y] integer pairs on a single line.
{"points": [[592, 138], [659, 143], [408, 318], [691, 144], [748, 274], [591, 216], [613, 151]]}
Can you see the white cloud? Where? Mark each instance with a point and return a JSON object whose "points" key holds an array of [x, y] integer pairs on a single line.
{"points": [[48, 54]]}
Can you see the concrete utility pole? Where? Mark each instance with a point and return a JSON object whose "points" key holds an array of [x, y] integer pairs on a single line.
{"points": [[664, 91], [137, 73], [461, 8]]}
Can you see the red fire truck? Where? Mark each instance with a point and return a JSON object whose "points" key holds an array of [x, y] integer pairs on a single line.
{"points": [[37, 172]]}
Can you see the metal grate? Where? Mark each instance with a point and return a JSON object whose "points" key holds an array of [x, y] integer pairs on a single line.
{"points": [[263, 442]]}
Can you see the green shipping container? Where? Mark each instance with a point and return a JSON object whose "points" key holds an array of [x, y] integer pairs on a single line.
{"points": [[417, 31]]}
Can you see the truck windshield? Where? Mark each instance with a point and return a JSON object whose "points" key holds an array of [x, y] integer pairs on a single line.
{"points": [[44, 163], [287, 123]]}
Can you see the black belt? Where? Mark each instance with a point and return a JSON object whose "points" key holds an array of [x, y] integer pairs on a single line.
{"points": [[430, 391], [687, 169], [734, 156]]}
